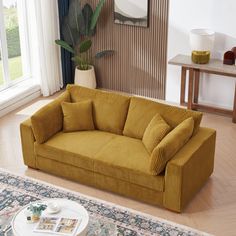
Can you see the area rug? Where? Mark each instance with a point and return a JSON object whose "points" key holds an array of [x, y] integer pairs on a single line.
{"points": [[106, 219]]}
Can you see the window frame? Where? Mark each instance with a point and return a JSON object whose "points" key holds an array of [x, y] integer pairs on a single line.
{"points": [[24, 44]]}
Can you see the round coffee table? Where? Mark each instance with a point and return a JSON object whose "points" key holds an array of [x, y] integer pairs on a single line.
{"points": [[69, 209]]}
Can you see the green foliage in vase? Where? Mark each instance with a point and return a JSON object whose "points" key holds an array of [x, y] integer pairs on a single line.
{"points": [[37, 209], [78, 28]]}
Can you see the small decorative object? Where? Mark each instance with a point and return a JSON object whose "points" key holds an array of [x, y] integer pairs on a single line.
{"points": [[202, 43], [28, 215], [131, 12], [36, 210], [53, 208], [234, 51], [229, 58], [78, 28]]}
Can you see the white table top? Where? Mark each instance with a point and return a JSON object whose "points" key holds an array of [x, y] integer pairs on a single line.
{"points": [[69, 209], [214, 65]]}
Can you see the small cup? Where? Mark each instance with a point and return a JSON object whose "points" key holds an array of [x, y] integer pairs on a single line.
{"points": [[53, 207]]}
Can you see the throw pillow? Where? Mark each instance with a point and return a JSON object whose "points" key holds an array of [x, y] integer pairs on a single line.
{"points": [[77, 116], [155, 132], [170, 145]]}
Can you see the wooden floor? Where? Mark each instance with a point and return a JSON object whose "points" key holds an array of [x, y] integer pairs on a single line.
{"points": [[214, 208]]}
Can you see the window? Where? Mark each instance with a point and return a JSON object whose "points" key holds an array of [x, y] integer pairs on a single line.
{"points": [[14, 66]]}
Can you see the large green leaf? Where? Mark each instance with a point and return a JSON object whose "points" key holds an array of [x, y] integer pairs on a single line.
{"points": [[71, 36], [104, 53], [87, 13], [65, 45], [85, 45], [96, 14], [76, 19]]}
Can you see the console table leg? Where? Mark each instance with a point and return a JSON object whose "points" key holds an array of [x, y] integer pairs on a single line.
{"points": [[190, 89], [183, 86], [196, 85], [234, 111]]}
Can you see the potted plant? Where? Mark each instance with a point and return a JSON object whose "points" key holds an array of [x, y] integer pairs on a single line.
{"points": [[78, 28], [36, 210]]}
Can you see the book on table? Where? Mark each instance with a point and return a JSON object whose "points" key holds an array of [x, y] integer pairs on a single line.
{"points": [[57, 225]]}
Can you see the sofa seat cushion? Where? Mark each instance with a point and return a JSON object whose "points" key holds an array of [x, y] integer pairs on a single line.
{"points": [[127, 159], [75, 148], [105, 153]]}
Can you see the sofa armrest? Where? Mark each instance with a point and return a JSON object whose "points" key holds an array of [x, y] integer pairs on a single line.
{"points": [[190, 168], [27, 143], [48, 120]]}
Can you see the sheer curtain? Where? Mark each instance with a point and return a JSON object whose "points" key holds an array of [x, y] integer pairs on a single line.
{"points": [[43, 27]]}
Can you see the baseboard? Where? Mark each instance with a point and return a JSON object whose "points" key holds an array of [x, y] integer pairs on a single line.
{"points": [[19, 100]]}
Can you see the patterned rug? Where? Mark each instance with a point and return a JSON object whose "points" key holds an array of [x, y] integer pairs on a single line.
{"points": [[106, 219]]}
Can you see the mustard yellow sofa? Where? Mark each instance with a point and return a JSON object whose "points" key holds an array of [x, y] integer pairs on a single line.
{"points": [[113, 157]]}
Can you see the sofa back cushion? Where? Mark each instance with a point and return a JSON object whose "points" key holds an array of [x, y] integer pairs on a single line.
{"points": [[156, 130], [170, 145], [78, 116], [141, 112], [47, 121], [109, 109]]}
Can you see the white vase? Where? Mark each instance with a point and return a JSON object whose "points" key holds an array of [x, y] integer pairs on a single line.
{"points": [[86, 78]]}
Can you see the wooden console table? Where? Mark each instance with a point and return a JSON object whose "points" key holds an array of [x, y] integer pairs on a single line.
{"points": [[214, 67]]}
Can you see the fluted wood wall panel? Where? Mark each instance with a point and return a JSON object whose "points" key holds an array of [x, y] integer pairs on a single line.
{"points": [[139, 63]]}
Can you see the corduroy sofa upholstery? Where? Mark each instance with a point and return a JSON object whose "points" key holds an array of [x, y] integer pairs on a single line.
{"points": [[113, 157]]}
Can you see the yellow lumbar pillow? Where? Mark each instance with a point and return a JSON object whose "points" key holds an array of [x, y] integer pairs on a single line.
{"points": [[77, 116], [170, 145], [155, 132]]}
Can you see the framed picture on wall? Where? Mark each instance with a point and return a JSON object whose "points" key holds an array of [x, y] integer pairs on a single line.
{"points": [[131, 12]]}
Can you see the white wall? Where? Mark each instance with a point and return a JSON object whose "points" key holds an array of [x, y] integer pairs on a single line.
{"points": [[217, 15]]}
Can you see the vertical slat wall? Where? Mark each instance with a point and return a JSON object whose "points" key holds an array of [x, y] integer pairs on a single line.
{"points": [[139, 63]]}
